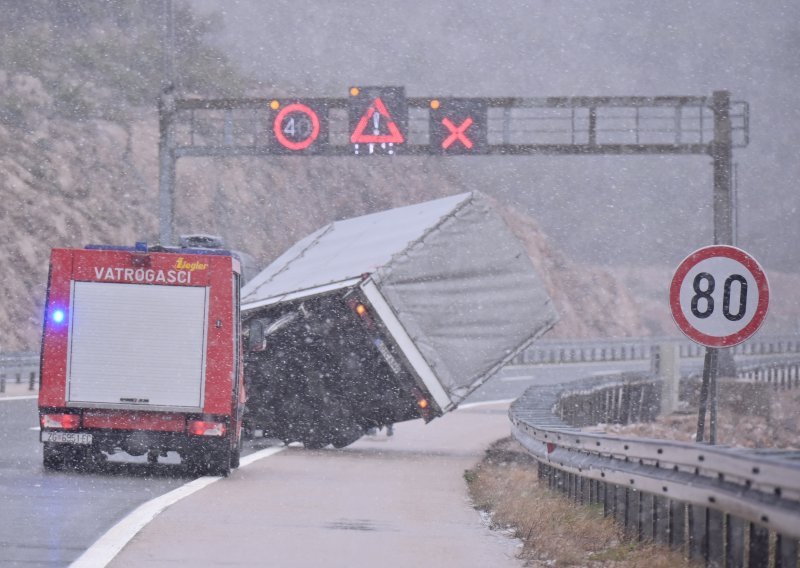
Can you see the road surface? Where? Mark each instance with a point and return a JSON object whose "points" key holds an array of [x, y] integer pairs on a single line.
{"points": [[399, 501]]}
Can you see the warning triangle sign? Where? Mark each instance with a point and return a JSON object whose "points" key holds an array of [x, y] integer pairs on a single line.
{"points": [[378, 120]]}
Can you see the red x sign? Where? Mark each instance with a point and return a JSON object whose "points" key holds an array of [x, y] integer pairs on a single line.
{"points": [[457, 133]]}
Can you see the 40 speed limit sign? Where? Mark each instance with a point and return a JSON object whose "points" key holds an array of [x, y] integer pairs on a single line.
{"points": [[719, 296]]}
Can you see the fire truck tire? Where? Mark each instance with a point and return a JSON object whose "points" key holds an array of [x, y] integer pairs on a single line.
{"points": [[57, 457], [221, 463], [54, 457], [236, 454], [210, 462]]}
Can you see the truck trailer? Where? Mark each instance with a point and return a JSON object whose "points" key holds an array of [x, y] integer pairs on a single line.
{"points": [[141, 353], [387, 317]]}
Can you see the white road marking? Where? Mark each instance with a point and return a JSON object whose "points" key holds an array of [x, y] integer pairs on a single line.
{"points": [[605, 373], [24, 397], [114, 540], [485, 403], [518, 378]]}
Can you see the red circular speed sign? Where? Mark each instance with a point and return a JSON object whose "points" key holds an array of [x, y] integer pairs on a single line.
{"points": [[719, 296], [296, 126]]}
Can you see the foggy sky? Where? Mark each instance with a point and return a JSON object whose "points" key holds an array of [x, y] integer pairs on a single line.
{"points": [[647, 210]]}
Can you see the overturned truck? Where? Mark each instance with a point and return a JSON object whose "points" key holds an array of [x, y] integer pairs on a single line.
{"points": [[386, 317]]}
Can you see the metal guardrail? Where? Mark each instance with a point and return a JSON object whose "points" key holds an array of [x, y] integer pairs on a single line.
{"points": [[546, 351], [721, 505], [18, 368]]}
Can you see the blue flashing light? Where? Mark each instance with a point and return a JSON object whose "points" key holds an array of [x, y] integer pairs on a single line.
{"points": [[58, 316]]}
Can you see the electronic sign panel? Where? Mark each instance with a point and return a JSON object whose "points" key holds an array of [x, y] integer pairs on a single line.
{"points": [[378, 118], [298, 126], [459, 126]]}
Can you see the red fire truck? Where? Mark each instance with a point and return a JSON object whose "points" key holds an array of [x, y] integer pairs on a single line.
{"points": [[141, 353]]}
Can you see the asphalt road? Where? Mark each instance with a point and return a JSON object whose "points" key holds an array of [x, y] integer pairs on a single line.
{"points": [[50, 518], [381, 502]]}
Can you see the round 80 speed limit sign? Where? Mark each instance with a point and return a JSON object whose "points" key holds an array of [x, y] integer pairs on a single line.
{"points": [[719, 296]]}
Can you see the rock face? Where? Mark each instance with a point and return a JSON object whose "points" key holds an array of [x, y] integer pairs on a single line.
{"points": [[63, 183]]}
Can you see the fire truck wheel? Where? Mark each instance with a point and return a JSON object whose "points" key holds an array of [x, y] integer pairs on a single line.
{"points": [[210, 462], [59, 456], [236, 454], [54, 457], [221, 462]]}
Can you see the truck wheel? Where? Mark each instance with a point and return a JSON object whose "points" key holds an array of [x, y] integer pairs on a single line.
{"points": [[210, 462], [57, 457], [236, 454], [314, 441], [221, 462], [54, 457], [346, 437]]}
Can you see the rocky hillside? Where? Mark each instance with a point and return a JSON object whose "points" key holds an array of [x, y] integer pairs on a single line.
{"points": [[69, 183]]}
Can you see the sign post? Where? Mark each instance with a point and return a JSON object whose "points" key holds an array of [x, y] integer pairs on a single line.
{"points": [[719, 297]]}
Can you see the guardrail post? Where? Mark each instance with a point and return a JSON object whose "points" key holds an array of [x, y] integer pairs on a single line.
{"points": [[677, 524], [661, 526], [785, 552], [716, 537], [32, 381], [632, 513], [758, 555], [668, 369], [633, 404], [698, 533], [595, 491], [2, 383], [647, 517], [620, 504], [609, 497], [735, 538]]}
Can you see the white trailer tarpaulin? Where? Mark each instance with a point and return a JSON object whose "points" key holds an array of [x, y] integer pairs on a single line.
{"points": [[458, 280]]}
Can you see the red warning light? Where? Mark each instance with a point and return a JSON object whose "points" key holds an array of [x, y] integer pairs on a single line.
{"points": [[459, 126], [373, 115], [457, 133], [296, 126], [378, 120]]}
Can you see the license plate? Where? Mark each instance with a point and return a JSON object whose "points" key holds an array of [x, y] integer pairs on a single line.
{"points": [[66, 437]]}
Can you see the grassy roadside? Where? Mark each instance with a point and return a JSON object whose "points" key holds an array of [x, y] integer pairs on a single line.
{"points": [[553, 530]]}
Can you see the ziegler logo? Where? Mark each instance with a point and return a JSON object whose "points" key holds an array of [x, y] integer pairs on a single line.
{"points": [[190, 266]]}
